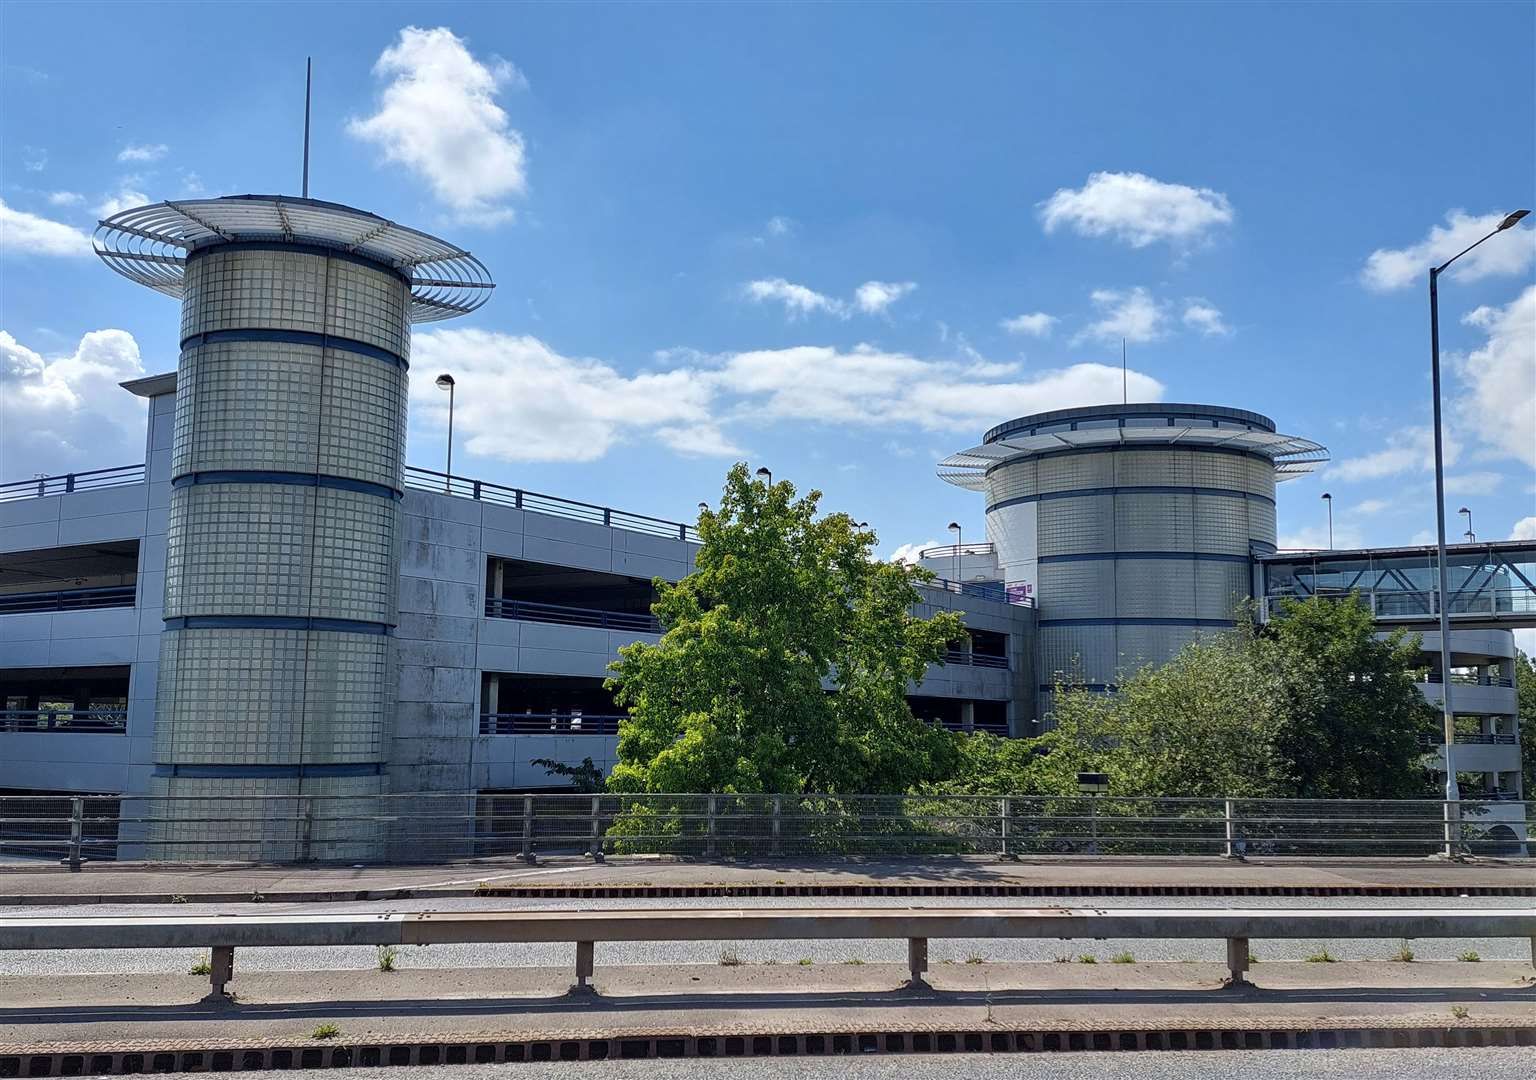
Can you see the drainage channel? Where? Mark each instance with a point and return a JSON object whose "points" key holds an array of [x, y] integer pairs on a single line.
{"points": [[102, 1059], [628, 892]]}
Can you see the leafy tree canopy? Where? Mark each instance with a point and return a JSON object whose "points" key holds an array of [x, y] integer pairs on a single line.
{"points": [[1525, 687], [783, 607]]}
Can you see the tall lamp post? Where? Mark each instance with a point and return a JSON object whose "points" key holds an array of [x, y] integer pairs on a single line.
{"points": [[1328, 498], [1448, 715], [954, 527], [1469, 534], [765, 474], [445, 382]]}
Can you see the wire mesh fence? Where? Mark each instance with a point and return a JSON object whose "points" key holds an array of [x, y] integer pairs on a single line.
{"points": [[424, 828]]}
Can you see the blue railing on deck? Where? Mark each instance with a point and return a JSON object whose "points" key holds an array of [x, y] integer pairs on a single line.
{"points": [[528, 611], [63, 484], [110, 596]]}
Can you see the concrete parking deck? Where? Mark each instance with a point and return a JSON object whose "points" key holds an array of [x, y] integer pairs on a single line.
{"points": [[31, 883]]}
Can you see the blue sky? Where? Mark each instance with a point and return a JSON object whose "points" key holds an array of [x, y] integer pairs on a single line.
{"points": [[840, 241]]}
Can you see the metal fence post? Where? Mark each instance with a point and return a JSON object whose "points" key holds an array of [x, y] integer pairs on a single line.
{"points": [[595, 845], [307, 832], [709, 826], [528, 828], [1007, 812], [1229, 812], [778, 811], [76, 830]]}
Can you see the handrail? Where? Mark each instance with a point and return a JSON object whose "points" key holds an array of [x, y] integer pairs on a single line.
{"points": [[65, 483], [529, 611], [570, 723], [1434, 677], [951, 550], [222, 934], [974, 659], [1016, 593], [76, 721], [521, 499], [108, 596]]}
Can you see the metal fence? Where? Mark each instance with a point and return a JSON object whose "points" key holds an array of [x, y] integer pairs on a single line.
{"points": [[65, 483], [421, 828]]}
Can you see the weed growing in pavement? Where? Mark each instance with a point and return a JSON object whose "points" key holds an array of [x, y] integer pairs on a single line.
{"points": [[325, 1031], [1253, 957], [1404, 954], [730, 958], [1322, 956], [1087, 958], [805, 961], [772, 961], [1123, 958], [178, 899], [853, 960], [387, 954], [1065, 958], [203, 966], [975, 958], [1459, 1011], [1469, 957]]}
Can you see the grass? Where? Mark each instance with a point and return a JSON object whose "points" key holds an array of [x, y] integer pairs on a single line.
{"points": [[387, 954], [1087, 958], [1123, 958], [325, 1031], [975, 958], [805, 961], [1322, 956], [853, 960], [204, 966], [1253, 957], [1404, 954], [1469, 957], [1459, 1011], [730, 958]]}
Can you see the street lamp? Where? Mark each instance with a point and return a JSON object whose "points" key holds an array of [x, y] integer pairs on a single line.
{"points": [[1327, 498], [1469, 534], [765, 474], [1448, 715], [445, 382], [954, 527]]}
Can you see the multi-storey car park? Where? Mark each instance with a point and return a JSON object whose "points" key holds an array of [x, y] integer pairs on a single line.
{"points": [[274, 605]]}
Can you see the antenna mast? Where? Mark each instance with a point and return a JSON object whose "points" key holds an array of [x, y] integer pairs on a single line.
{"points": [[307, 68]]}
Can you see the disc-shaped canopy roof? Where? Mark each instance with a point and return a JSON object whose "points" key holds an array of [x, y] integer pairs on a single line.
{"points": [[150, 244], [1194, 426]]}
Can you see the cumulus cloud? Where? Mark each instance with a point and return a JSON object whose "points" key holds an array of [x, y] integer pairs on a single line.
{"points": [[1205, 317], [64, 413], [798, 300], [1131, 314], [1372, 506], [1409, 449], [907, 553], [65, 198], [1036, 324], [873, 297], [1498, 380], [124, 198], [439, 118], [1525, 529], [1481, 482], [22, 233], [1137, 209], [524, 401], [143, 152], [1396, 268]]}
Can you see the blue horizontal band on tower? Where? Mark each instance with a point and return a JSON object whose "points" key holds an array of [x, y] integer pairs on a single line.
{"points": [[1115, 556], [303, 248], [1144, 489], [235, 772], [294, 479], [295, 337], [1137, 621], [274, 622]]}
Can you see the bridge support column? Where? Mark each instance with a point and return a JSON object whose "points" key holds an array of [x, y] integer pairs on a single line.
{"points": [[917, 959], [221, 969], [584, 953], [1237, 959]]}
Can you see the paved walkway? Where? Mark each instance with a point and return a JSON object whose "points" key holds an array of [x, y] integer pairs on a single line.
{"points": [[127, 883]]}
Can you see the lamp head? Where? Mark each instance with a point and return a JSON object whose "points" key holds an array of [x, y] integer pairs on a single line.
{"points": [[703, 508], [1513, 220], [1463, 510], [445, 381], [953, 526], [762, 470], [1328, 496]]}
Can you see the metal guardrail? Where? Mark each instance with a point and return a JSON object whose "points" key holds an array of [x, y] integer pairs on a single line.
{"points": [[949, 551], [73, 721], [1387, 605], [519, 499], [109, 596], [434, 827], [529, 723], [528, 611], [223, 934], [1016, 593], [1434, 678], [63, 484], [974, 659], [1434, 742]]}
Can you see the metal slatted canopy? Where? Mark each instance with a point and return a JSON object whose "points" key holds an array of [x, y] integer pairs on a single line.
{"points": [[150, 244]]}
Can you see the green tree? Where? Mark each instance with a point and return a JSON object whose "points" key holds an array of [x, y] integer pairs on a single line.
{"points": [[1354, 717], [782, 605], [1525, 688]]}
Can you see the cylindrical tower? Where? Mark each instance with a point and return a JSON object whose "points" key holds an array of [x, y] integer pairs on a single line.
{"points": [[275, 676], [1133, 526]]}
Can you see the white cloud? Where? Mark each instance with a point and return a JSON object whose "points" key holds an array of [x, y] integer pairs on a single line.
{"points": [[873, 297], [1410, 449], [115, 204], [22, 233], [34, 158], [1036, 324], [1205, 317], [143, 152], [1525, 529], [1498, 397], [778, 225], [438, 117], [523, 401], [1315, 538], [1474, 483], [1372, 506], [65, 198], [64, 413], [907, 553], [1396, 268], [798, 300], [1137, 209], [1131, 314]]}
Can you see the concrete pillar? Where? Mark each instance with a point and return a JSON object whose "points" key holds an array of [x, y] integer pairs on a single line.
{"points": [[967, 716], [584, 957], [917, 959], [1237, 959], [221, 969]]}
